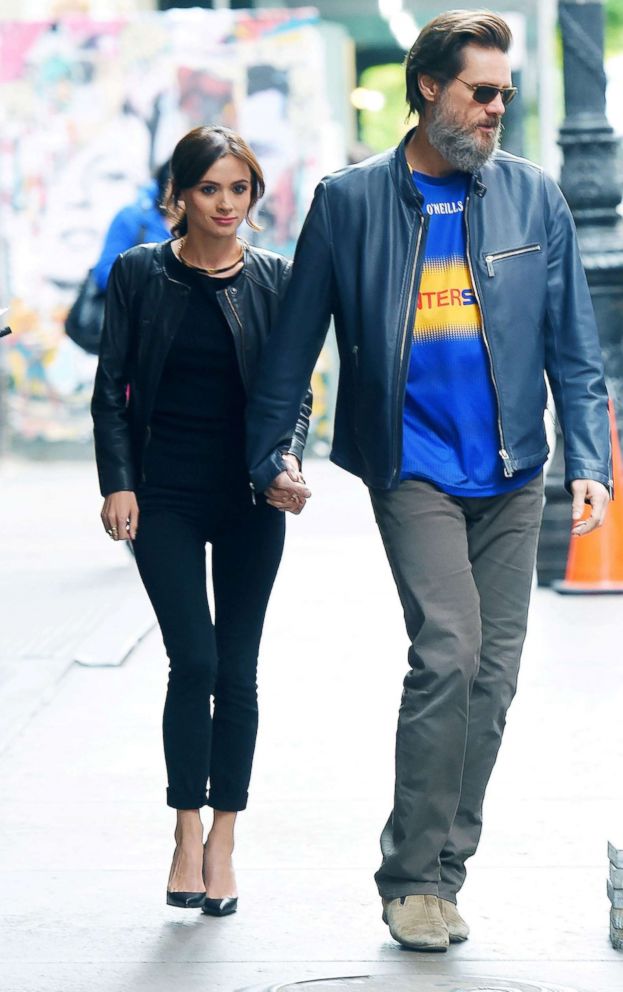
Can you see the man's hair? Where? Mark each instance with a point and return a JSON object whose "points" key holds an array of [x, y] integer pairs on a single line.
{"points": [[438, 49]]}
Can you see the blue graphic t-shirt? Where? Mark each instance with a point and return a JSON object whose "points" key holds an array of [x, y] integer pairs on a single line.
{"points": [[450, 434]]}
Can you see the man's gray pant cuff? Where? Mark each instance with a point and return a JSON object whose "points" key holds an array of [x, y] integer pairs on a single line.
{"points": [[446, 893], [407, 889]]}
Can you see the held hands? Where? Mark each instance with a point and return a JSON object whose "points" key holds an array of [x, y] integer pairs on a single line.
{"points": [[288, 490], [597, 496], [120, 516]]}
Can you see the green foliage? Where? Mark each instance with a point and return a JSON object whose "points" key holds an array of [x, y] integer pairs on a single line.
{"points": [[614, 26], [384, 128]]}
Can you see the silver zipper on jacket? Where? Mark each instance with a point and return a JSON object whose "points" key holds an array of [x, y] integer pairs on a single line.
{"points": [[498, 255], [405, 330], [503, 453], [239, 322]]}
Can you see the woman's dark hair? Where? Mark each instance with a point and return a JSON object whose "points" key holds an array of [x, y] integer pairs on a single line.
{"points": [[197, 152], [438, 49]]}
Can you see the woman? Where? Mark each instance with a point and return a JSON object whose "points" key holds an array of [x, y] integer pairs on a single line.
{"points": [[185, 322]]}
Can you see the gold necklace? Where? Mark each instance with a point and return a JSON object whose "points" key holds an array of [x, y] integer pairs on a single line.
{"points": [[207, 272]]}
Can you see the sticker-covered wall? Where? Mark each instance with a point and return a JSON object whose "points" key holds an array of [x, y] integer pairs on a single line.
{"points": [[88, 111]]}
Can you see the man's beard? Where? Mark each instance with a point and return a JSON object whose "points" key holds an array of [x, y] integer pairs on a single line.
{"points": [[458, 144]]}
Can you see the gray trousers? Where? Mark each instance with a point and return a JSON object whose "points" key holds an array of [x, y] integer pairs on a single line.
{"points": [[463, 568]]}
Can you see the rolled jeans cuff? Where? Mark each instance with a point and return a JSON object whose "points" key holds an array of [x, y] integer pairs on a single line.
{"points": [[228, 803], [176, 800]]}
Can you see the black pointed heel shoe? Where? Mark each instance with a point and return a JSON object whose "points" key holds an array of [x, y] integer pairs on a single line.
{"points": [[220, 907], [185, 900]]}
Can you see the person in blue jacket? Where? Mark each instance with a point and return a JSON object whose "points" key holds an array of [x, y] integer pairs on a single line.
{"points": [[453, 275], [140, 222]]}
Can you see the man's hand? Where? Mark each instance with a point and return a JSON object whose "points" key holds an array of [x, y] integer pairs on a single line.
{"points": [[588, 491], [120, 515], [288, 490]]}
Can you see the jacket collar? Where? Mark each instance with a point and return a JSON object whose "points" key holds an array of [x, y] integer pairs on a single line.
{"points": [[402, 173], [160, 262]]}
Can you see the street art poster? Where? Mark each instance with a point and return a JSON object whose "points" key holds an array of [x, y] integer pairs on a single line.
{"points": [[88, 109]]}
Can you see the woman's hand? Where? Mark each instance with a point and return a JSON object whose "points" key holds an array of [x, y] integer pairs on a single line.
{"points": [[288, 491], [120, 515]]}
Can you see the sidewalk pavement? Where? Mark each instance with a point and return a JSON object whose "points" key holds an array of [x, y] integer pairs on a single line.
{"points": [[87, 839], [61, 580]]}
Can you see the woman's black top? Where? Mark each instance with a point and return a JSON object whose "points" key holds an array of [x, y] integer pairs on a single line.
{"points": [[197, 438]]}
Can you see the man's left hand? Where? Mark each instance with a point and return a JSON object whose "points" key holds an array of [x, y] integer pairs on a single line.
{"points": [[288, 491], [588, 491]]}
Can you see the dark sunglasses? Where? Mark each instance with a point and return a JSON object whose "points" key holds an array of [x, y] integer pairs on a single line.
{"points": [[486, 94]]}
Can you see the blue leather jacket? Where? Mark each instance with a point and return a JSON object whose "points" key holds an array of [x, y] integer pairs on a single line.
{"points": [[359, 258]]}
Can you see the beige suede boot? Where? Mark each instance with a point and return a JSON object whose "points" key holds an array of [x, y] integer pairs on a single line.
{"points": [[458, 929], [416, 922]]}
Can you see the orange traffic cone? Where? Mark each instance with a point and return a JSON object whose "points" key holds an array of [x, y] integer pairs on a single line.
{"points": [[595, 562]]}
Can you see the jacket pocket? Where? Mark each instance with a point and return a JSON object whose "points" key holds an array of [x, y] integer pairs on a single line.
{"points": [[498, 256]]}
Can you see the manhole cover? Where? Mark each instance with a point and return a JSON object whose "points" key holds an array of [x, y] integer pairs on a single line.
{"points": [[409, 983]]}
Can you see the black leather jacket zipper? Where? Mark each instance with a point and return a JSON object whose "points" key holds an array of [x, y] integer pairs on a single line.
{"points": [[146, 440], [402, 374], [503, 453], [243, 361], [243, 367]]}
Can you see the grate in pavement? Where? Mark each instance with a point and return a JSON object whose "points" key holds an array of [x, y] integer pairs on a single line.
{"points": [[410, 983]]}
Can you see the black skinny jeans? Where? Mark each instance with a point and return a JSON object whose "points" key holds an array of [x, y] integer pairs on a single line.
{"points": [[209, 659]]}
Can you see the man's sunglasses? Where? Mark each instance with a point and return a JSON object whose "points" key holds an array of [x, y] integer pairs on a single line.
{"points": [[486, 94]]}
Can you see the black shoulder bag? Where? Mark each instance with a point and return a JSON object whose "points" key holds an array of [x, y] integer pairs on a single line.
{"points": [[85, 321]]}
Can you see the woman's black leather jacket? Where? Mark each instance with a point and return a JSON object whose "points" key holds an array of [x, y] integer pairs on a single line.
{"points": [[144, 307]]}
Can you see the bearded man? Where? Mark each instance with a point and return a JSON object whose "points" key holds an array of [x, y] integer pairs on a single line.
{"points": [[453, 274]]}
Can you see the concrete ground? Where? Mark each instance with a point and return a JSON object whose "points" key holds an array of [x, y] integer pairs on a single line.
{"points": [[86, 838]]}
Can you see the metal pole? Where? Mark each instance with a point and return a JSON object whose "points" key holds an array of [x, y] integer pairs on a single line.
{"points": [[589, 182], [589, 178]]}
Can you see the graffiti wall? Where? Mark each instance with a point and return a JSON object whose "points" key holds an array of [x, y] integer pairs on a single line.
{"points": [[87, 111]]}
